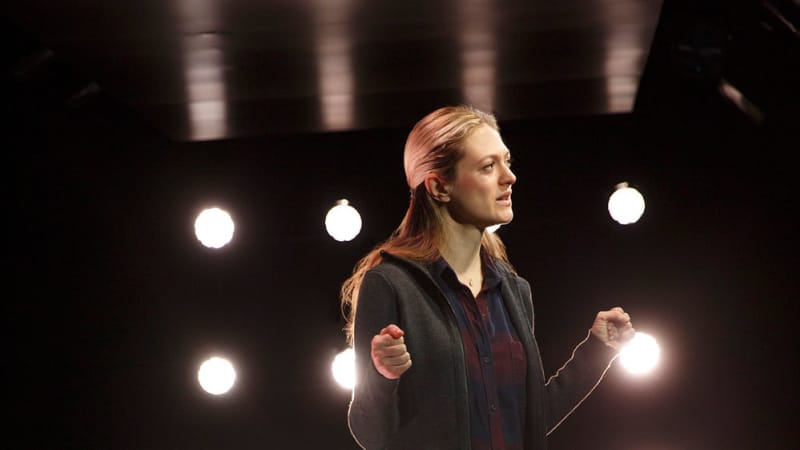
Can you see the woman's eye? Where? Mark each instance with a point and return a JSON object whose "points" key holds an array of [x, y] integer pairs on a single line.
{"points": [[509, 161], [489, 166]]}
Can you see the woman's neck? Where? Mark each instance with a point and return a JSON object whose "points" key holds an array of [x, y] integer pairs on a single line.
{"points": [[462, 249]]}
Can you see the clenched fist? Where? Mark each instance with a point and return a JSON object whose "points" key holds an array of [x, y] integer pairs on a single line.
{"points": [[613, 327], [389, 353]]}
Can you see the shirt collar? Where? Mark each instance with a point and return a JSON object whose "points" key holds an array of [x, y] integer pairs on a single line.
{"points": [[491, 276]]}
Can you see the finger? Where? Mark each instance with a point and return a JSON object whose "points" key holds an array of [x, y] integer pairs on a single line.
{"points": [[627, 334], [392, 368], [393, 331], [388, 338], [381, 342], [395, 372], [405, 366], [396, 361], [385, 340], [612, 331], [392, 350], [617, 314], [401, 367]]}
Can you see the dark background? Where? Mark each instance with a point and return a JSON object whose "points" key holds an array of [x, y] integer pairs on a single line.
{"points": [[111, 304]]}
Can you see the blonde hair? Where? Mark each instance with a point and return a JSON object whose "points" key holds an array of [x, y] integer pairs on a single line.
{"points": [[434, 145]]}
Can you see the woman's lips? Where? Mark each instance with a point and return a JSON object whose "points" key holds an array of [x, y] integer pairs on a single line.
{"points": [[504, 199]]}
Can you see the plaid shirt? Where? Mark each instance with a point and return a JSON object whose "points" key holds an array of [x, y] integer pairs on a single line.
{"points": [[495, 359]]}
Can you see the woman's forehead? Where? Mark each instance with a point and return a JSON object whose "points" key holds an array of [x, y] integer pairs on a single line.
{"points": [[485, 141]]}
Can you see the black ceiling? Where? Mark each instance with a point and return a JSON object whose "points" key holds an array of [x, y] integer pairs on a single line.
{"points": [[207, 70], [200, 70]]}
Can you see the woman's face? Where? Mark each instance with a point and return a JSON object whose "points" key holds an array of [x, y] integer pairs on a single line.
{"points": [[480, 192]]}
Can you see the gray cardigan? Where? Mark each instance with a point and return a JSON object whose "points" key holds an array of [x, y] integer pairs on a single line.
{"points": [[427, 408]]}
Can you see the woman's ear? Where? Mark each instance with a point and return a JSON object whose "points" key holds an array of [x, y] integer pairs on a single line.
{"points": [[437, 188]]}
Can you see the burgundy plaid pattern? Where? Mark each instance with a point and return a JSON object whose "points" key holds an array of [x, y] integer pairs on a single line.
{"points": [[495, 359]]}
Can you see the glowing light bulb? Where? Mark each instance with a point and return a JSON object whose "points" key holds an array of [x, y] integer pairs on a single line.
{"points": [[343, 368], [216, 375], [214, 228], [641, 354], [626, 204], [343, 222]]}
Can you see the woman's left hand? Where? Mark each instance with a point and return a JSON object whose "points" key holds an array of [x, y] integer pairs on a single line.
{"points": [[613, 327]]}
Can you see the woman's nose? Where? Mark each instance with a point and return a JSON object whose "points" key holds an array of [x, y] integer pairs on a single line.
{"points": [[508, 177]]}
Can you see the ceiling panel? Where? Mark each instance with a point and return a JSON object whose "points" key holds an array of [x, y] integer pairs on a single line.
{"points": [[200, 70]]}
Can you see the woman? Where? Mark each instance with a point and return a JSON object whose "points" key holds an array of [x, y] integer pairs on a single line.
{"points": [[441, 324]]}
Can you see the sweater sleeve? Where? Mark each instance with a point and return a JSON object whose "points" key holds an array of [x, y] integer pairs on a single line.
{"points": [[373, 413], [576, 379]]}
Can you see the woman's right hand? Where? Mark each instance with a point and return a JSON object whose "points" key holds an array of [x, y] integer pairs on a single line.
{"points": [[389, 353]]}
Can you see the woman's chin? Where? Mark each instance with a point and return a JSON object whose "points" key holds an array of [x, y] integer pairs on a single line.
{"points": [[506, 218]]}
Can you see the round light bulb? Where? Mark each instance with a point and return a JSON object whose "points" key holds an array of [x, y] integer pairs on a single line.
{"points": [[626, 204], [641, 354], [343, 222], [214, 228], [343, 368], [216, 375]]}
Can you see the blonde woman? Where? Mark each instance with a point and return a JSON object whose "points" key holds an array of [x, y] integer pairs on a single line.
{"points": [[441, 324]]}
